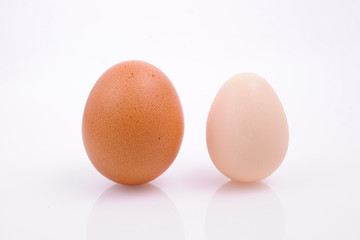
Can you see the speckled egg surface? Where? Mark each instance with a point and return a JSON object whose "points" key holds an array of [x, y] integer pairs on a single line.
{"points": [[133, 123]]}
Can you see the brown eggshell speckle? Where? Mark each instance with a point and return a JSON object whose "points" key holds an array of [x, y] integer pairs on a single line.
{"points": [[133, 123]]}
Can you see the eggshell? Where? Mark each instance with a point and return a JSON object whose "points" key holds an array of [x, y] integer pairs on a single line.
{"points": [[247, 132], [133, 123]]}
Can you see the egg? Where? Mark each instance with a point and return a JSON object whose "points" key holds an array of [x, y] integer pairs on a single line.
{"points": [[133, 123], [247, 132]]}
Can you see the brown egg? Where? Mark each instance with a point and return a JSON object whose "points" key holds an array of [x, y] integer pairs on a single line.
{"points": [[133, 123]]}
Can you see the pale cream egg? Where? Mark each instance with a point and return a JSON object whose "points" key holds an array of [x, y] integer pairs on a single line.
{"points": [[247, 132]]}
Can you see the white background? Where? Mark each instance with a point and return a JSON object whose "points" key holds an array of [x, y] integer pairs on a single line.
{"points": [[52, 53]]}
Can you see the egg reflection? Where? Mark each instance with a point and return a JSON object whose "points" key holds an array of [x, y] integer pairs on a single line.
{"points": [[140, 212], [245, 211]]}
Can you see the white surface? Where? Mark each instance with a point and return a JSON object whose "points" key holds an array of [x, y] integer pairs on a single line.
{"points": [[51, 54]]}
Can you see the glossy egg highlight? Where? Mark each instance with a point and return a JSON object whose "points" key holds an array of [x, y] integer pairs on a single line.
{"points": [[133, 123], [247, 132]]}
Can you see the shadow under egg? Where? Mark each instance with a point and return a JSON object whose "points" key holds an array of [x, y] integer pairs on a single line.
{"points": [[245, 211], [134, 212]]}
